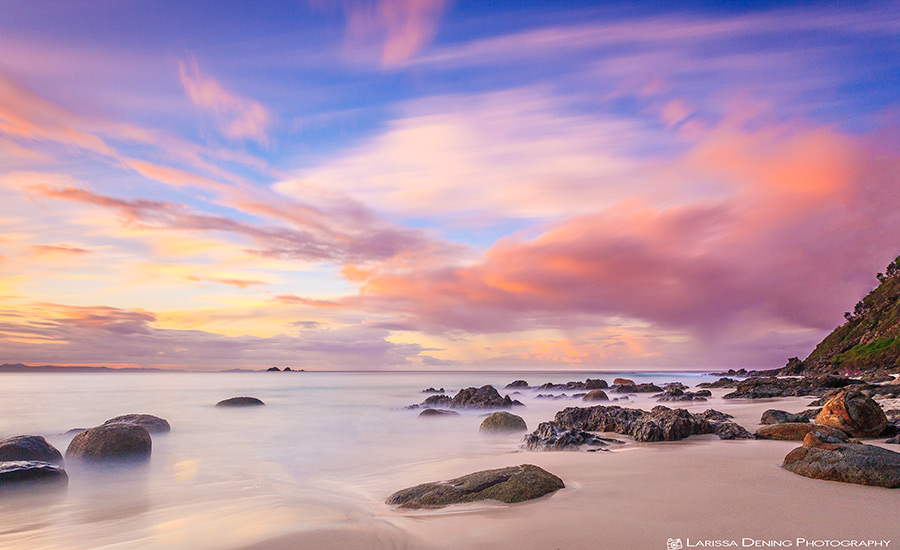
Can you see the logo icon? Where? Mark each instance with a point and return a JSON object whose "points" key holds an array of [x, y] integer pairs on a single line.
{"points": [[674, 544]]}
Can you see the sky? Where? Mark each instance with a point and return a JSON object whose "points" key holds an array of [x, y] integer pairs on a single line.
{"points": [[430, 184]]}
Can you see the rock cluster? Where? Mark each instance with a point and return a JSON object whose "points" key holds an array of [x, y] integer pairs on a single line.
{"points": [[823, 458], [551, 437], [677, 393], [512, 484], [30, 459], [853, 413], [769, 386], [485, 397]]}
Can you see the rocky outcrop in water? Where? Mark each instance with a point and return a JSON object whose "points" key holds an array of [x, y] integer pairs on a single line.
{"points": [[438, 412], [485, 397], [639, 388], [16, 473], [676, 393], [589, 384], [551, 437], [512, 484], [432, 390], [517, 384], [720, 383], [503, 422], [111, 442], [29, 447], [768, 387], [153, 424], [775, 416], [797, 431], [853, 413], [240, 402], [857, 463], [658, 424], [595, 395]]}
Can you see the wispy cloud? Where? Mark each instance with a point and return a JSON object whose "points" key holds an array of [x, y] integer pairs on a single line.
{"points": [[239, 117]]}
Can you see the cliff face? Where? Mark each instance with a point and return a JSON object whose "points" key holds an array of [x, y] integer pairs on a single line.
{"points": [[870, 339]]}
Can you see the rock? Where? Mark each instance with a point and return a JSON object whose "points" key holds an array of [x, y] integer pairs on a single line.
{"points": [[273, 369], [774, 416], [503, 422], [485, 397], [595, 395], [437, 401], [549, 437], [765, 387], [640, 388], [720, 383], [796, 431], [111, 442], [438, 412], [659, 424], [153, 424], [595, 384], [30, 448], [287, 369], [19, 472], [731, 372], [703, 393], [677, 393], [845, 462], [512, 484], [713, 415], [517, 384], [623, 382], [432, 390], [854, 413], [809, 414], [74, 431], [240, 402]]}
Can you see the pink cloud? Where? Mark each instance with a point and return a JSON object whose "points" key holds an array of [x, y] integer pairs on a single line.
{"points": [[240, 118]]}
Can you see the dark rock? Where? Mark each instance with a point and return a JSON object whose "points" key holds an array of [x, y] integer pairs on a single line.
{"points": [[595, 395], [845, 462], [153, 424], [768, 387], [287, 369], [703, 393], [854, 413], [485, 397], [517, 384], [720, 383], [623, 382], [438, 412], [775, 416], [20, 472], [240, 402], [640, 388], [111, 442], [797, 431], [432, 390], [809, 414], [550, 437], [659, 424], [273, 369], [503, 422], [512, 484], [30, 448], [437, 401], [731, 430], [595, 384], [731, 372], [713, 415], [677, 393]]}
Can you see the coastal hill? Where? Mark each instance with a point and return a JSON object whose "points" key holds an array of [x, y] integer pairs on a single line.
{"points": [[868, 342], [19, 367]]}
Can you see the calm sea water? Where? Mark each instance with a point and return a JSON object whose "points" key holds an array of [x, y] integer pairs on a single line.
{"points": [[318, 453]]}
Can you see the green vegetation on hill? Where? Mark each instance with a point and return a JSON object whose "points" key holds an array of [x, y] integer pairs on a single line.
{"points": [[870, 339]]}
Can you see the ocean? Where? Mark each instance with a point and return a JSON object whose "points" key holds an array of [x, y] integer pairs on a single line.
{"points": [[325, 451]]}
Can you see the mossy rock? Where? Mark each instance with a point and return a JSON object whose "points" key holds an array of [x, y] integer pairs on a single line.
{"points": [[503, 422]]}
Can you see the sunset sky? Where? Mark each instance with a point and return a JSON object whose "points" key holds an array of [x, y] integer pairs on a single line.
{"points": [[428, 184]]}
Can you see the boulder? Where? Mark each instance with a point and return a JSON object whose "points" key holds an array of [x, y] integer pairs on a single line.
{"points": [[485, 397], [437, 401], [854, 413], [623, 382], [512, 484], [845, 462], [273, 369], [550, 437], [774, 416], [595, 384], [797, 431], [640, 388], [503, 422], [517, 384], [153, 424], [677, 393], [432, 390], [438, 412], [595, 395], [19, 472], [111, 442], [29, 447], [240, 402]]}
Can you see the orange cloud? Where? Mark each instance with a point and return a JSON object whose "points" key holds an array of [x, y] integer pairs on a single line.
{"points": [[59, 248], [240, 118]]}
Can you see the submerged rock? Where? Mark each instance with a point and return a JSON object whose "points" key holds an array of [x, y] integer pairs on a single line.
{"points": [[111, 442], [438, 412], [153, 424], [437, 401], [595, 384], [765, 387], [240, 402], [797, 431], [639, 388], [18, 472], [677, 393], [844, 462], [503, 422], [550, 437], [517, 384], [485, 397], [854, 413], [595, 395], [432, 390], [658, 424], [774, 416], [720, 383], [512, 484], [29, 447], [623, 382]]}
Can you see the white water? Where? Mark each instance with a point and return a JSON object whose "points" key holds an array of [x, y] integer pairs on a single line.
{"points": [[325, 450]]}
